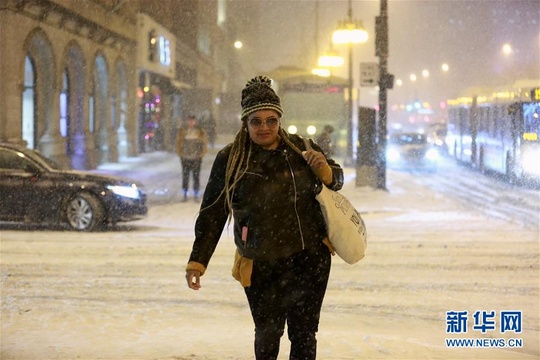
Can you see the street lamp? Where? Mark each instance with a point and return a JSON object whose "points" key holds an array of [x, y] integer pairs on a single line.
{"points": [[350, 32], [330, 59]]}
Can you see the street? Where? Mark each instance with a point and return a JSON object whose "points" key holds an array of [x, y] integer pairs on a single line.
{"points": [[121, 293]]}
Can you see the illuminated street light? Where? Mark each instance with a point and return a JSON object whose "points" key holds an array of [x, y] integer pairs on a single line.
{"points": [[321, 72], [350, 32], [331, 59], [507, 49]]}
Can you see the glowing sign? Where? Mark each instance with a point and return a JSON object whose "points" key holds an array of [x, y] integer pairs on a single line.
{"points": [[530, 136], [535, 94], [164, 51]]}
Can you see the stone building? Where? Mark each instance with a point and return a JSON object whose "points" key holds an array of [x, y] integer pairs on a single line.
{"points": [[89, 82]]}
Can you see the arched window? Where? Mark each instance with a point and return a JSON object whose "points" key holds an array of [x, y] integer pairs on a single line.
{"points": [[29, 105], [64, 101]]}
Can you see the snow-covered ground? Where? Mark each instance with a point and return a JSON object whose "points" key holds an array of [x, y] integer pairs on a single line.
{"points": [[121, 293]]}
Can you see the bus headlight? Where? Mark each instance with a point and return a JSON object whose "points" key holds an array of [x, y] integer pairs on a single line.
{"points": [[531, 162], [432, 155], [392, 155]]}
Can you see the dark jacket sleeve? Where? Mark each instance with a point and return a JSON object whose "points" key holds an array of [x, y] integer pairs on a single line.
{"points": [[213, 213]]}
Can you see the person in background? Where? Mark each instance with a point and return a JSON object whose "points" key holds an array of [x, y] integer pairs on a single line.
{"points": [[191, 146], [267, 181], [325, 140], [208, 123]]}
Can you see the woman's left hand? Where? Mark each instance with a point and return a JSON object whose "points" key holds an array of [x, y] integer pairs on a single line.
{"points": [[314, 158]]}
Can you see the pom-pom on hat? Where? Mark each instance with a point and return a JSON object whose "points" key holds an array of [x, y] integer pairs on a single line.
{"points": [[259, 95]]}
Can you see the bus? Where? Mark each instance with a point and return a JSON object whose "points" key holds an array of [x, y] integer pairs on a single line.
{"points": [[312, 102], [498, 132]]}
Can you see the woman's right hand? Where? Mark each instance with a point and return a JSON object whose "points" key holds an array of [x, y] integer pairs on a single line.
{"points": [[193, 278]]}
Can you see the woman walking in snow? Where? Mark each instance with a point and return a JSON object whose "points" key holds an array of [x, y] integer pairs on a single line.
{"points": [[267, 181]]}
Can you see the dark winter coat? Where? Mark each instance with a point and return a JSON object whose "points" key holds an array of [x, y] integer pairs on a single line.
{"points": [[274, 207]]}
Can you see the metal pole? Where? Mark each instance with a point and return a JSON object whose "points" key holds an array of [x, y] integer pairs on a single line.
{"points": [[382, 46], [350, 143], [350, 122]]}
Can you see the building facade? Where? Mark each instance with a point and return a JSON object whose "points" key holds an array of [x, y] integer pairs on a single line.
{"points": [[89, 82]]}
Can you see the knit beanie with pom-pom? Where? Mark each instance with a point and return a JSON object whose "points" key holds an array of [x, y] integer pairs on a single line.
{"points": [[259, 95]]}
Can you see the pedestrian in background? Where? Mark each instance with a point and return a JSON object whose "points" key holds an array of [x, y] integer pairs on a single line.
{"points": [[325, 140], [208, 123], [267, 182], [191, 146]]}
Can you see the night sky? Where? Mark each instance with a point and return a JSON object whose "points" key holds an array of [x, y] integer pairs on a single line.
{"points": [[468, 35]]}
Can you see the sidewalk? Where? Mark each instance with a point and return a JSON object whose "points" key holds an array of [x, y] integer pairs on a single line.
{"points": [[161, 172]]}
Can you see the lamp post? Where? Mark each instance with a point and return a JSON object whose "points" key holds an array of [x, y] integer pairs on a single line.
{"points": [[350, 32]]}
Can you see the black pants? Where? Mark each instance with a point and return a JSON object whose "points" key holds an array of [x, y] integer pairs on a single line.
{"points": [[289, 291], [191, 166]]}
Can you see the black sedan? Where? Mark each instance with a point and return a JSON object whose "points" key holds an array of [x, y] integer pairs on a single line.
{"points": [[411, 151], [33, 189]]}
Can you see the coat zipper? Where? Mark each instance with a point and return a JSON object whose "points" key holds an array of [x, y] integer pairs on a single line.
{"points": [[295, 199]]}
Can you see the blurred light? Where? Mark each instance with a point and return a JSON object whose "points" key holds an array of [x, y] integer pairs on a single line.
{"points": [[530, 136], [392, 155], [330, 60], [412, 77], [399, 82], [292, 129], [507, 49], [445, 67], [350, 33], [530, 161], [321, 72], [425, 73], [311, 130], [432, 154], [125, 191], [146, 89], [442, 105], [238, 44]]}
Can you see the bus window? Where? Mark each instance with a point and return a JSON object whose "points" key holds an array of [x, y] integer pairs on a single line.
{"points": [[531, 121]]}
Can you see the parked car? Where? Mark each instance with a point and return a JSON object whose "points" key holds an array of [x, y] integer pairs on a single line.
{"points": [[34, 189], [411, 151]]}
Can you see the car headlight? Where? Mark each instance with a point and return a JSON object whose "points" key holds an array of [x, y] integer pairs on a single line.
{"points": [[392, 155], [125, 191], [432, 154]]}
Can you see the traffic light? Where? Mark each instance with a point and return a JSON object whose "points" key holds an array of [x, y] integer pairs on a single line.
{"points": [[152, 46]]}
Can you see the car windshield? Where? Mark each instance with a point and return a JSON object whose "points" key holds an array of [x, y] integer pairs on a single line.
{"points": [[408, 139]]}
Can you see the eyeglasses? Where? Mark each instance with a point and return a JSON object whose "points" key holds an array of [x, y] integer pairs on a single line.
{"points": [[258, 123]]}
